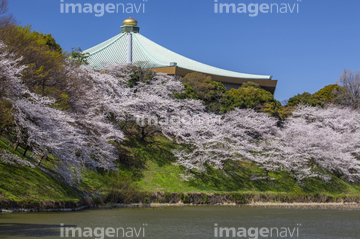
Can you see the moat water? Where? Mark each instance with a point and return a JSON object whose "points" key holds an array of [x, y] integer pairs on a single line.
{"points": [[185, 222]]}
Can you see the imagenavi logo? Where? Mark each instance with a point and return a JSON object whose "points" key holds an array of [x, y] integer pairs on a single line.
{"points": [[102, 232], [256, 232], [255, 9], [100, 9]]}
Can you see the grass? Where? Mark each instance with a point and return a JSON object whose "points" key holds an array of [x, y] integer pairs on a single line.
{"points": [[20, 183], [158, 173], [148, 166], [165, 178]]}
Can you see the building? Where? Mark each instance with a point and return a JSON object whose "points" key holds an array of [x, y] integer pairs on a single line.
{"points": [[132, 47]]}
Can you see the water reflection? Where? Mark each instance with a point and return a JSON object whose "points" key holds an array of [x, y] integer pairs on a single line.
{"points": [[29, 230], [187, 222]]}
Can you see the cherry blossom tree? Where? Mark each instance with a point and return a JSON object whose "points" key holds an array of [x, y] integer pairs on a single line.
{"points": [[214, 139], [315, 141], [150, 102], [312, 143], [75, 139]]}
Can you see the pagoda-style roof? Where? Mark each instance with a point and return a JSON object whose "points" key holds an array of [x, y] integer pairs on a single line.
{"points": [[148, 54]]}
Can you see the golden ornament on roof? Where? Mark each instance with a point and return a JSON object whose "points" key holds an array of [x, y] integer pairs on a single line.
{"points": [[130, 22]]}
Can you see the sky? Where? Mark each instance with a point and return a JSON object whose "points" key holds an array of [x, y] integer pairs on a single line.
{"points": [[304, 49]]}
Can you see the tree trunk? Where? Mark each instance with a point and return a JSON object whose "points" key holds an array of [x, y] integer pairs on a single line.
{"points": [[26, 149], [43, 87], [143, 133], [41, 159], [267, 176], [16, 144]]}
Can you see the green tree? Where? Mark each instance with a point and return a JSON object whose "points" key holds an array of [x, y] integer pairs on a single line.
{"points": [[79, 56], [249, 95], [326, 95], [44, 58], [303, 99], [201, 87], [51, 43]]}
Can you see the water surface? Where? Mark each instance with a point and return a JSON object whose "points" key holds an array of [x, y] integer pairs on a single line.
{"points": [[186, 222]]}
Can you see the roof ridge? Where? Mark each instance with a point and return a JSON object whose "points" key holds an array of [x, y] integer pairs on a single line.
{"points": [[147, 53], [106, 46]]}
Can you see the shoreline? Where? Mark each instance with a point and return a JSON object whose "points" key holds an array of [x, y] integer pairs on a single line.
{"points": [[165, 199], [168, 205], [264, 204], [162, 205]]}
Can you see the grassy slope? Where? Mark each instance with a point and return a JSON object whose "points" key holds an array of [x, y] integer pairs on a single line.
{"points": [[162, 175], [18, 183], [150, 164]]}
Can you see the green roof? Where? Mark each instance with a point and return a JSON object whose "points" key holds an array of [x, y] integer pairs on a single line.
{"points": [[148, 54]]}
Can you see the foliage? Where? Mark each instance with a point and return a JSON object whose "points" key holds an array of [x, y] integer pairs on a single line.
{"points": [[41, 55], [275, 109], [349, 93], [115, 119], [325, 96], [122, 188], [328, 94], [303, 99], [79, 56], [199, 86], [84, 120], [74, 139], [9, 158], [87, 133], [109, 106], [215, 139], [312, 143], [213, 94], [247, 96], [315, 141], [251, 96], [51, 43], [148, 101]]}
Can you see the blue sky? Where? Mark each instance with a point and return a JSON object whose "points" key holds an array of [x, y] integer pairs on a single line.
{"points": [[304, 51]]}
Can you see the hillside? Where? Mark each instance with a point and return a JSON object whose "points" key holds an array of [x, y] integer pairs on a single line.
{"points": [[80, 135], [32, 186]]}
